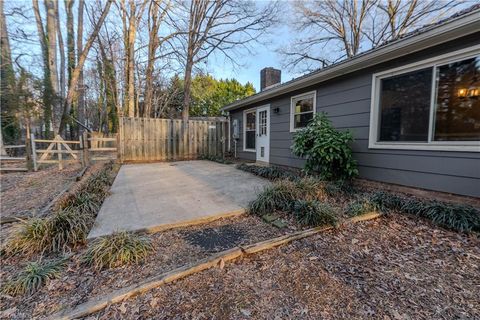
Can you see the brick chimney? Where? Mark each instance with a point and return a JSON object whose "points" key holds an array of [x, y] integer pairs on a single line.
{"points": [[269, 77]]}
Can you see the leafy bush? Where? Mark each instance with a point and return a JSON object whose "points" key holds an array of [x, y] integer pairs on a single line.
{"points": [[270, 172], [457, 217], [33, 277], [117, 250], [314, 213], [361, 206], [326, 150]]}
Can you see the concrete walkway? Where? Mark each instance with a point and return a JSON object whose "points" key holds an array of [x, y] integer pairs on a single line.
{"points": [[159, 196]]}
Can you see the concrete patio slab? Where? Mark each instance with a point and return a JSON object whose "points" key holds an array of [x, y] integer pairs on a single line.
{"points": [[157, 196]]}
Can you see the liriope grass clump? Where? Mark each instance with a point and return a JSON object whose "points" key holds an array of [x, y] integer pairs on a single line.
{"points": [[277, 197], [314, 213], [361, 206], [268, 172], [70, 222], [459, 217], [33, 277], [116, 250]]}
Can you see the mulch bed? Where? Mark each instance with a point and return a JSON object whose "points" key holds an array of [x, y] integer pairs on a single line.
{"points": [[24, 193], [396, 267], [173, 249]]}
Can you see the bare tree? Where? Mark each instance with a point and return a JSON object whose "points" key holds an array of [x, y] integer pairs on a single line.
{"points": [[332, 30], [131, 16], [82, 56], [221, 26], [79, 44]]}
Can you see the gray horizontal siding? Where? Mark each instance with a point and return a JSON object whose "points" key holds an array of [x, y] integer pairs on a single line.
{"points": [[346, 101]]}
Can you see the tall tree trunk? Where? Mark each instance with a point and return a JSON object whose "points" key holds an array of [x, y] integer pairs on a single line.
{"points": [[80, 86], [71, 60], [187, 84], [132, 28], [61, 47], [81, 62], [152, 49], [9, 121], [52, 61], [48, 94]]}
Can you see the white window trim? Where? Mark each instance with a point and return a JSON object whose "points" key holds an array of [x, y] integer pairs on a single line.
{"points": [[254, 110], [373, 143], [292, 107]]}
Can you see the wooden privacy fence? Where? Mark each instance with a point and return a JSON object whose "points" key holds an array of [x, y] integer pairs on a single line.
{"points": [[144, 139]]}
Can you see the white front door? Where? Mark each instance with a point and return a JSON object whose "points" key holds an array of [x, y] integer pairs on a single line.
{"points": [[262, 142]]}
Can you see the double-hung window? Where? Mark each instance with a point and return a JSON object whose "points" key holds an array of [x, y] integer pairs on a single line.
{"points": [[302, 110], [431, 105], [249, 130]]}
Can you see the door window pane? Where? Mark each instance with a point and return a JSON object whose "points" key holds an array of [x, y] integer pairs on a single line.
{"points": [[263, 122], [457, 112], [405, 106]]}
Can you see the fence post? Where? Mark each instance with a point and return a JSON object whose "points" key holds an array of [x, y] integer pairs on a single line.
{"points": [[34, 152], [59, 149], [86, 160]]}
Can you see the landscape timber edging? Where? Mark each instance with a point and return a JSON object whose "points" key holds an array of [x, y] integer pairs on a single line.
{"points": [[119, 295]]}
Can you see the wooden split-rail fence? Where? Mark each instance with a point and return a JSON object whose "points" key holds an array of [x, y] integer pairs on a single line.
{"points": [[144, 139]]}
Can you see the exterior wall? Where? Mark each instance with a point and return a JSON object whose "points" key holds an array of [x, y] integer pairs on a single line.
{"points": [[346, 101]]}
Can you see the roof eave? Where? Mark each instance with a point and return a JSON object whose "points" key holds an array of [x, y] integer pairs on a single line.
{"points": [[462, 26]]}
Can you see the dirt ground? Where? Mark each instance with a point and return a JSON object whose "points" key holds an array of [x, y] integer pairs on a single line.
{"points": [[393, 268], [24, 193]]}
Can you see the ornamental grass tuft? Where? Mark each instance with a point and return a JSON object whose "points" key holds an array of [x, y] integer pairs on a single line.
{"points": [[33, 277], [117, 250]]}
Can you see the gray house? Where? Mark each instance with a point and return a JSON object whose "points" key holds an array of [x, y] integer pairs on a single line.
{"points": [[413, 106]]}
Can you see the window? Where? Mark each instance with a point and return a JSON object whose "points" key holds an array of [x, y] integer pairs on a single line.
{"points": [[302, 110], [249, 130], [433, 104]]}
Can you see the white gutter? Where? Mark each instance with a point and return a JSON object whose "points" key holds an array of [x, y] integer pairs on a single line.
{"points": [[452, 29]]}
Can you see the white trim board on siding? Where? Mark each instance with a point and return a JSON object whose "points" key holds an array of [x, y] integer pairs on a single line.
{"points": [[373, 143]]}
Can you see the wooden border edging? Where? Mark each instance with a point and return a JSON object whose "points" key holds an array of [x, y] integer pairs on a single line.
{"points": [[99, 303]]}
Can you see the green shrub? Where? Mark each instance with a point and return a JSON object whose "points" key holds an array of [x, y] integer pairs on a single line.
{"points": [[268, 172], [457, 217], [117, 250], [33, 277], [361, 206], [326, 150], [314, 213]]}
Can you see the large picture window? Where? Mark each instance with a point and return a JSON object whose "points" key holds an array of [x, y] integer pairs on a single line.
{"points": [[302, 110], [430, 105], [249, 121]]}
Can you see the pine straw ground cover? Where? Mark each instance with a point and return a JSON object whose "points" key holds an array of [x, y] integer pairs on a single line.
{"points": [[396, 267], [172, 249]]}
